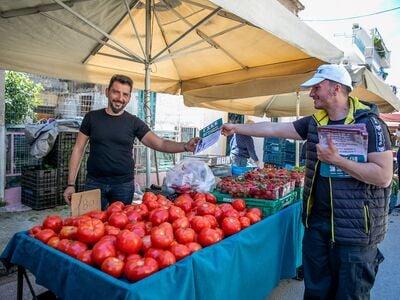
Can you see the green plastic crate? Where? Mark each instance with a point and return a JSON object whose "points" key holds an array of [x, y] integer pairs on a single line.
{"points": [[268, 207], [299, 192]]}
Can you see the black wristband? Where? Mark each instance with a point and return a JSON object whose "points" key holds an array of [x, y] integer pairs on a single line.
{"points": [[73, 185], [184, 147]]}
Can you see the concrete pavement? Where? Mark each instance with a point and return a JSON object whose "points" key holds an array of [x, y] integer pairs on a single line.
{"points": [[387, 284]]}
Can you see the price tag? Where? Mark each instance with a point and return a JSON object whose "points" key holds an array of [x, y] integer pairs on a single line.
{"points": [[84, 202]]}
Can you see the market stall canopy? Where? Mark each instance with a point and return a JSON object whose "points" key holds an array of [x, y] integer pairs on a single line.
{"points": [[394, 117], [252, 47], [367, 86]]}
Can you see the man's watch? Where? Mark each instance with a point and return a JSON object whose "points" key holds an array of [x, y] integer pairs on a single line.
{"points": [[73, 185]]}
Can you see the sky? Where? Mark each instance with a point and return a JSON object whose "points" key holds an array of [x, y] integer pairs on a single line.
{"points": [[387, 23]]}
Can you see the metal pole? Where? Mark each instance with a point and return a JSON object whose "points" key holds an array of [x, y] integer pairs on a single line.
{"points": [[297, 117], [2, 134], [147, 86]]}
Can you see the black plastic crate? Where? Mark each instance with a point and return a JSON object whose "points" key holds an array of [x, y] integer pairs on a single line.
{"points": [[36, 178], [39, 199]]}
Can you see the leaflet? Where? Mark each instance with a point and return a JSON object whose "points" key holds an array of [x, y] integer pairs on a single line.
{"points": [[351, 142], [209, 136]]}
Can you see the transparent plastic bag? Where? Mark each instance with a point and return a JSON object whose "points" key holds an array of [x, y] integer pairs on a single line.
{"points": [[188, 176]]}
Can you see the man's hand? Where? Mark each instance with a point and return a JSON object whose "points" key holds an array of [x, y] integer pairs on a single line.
{"points": [[192, 143], [68, 193], [328, 154], [228, 129]]}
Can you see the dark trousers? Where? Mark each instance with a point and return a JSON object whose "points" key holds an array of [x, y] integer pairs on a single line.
{"points": [[333, 271], [112, 192]]}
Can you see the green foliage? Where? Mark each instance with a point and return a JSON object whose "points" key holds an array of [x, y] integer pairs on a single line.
{"points": [[21, 97], [380, 49]]}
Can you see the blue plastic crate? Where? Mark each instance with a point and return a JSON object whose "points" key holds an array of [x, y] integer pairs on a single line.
{"points": [[237, 171]]}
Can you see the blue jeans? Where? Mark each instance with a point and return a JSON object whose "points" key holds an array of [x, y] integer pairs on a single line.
{"points": [[112, 192]]}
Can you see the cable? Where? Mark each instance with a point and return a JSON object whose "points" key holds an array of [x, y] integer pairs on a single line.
{"points": [[355, 17]]}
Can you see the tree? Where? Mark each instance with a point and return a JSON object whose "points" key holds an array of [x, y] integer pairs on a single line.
{"points": [[21, 97]]}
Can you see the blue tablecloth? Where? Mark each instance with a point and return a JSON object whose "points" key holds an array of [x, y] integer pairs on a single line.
{"points": [[247, 265]]}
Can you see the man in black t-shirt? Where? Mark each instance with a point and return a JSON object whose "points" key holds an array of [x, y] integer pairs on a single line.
{"points": [[344, 217], [111, 133]]}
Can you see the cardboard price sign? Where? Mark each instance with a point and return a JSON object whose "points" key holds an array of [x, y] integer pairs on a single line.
{"points": [[84, 202]]}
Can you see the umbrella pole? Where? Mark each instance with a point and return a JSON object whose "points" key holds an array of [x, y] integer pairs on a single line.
{"points": [[297, 117], [2, 135], [147, 87]]}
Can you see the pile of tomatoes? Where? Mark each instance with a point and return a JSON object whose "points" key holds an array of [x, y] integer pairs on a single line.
{"points": [[135, 241]]}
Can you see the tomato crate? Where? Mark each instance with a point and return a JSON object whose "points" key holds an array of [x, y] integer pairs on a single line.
{"points": [[268, 207], [39, 199]]}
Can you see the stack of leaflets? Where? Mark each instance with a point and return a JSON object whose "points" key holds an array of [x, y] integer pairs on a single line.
{"points": [[351, 142]]}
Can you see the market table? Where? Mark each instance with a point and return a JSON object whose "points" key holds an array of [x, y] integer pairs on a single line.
{"points": [[247, 265]]}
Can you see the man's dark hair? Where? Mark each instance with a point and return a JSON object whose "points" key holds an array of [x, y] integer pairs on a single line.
{"points": [[121, 79]]}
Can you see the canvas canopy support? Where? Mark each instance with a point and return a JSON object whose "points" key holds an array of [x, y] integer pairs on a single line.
{"points": [[169, 46]]}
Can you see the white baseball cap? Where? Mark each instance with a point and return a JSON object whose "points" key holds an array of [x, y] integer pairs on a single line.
{"points": [[336, 73]]}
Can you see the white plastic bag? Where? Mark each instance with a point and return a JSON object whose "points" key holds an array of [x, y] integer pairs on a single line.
{"points": [[189, 175]]}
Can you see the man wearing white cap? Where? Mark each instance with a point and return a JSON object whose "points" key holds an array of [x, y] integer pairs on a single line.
{"points": [[344, 217]]}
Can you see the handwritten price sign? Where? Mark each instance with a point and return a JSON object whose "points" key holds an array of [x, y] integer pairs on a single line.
{"points": [[84, 202]]}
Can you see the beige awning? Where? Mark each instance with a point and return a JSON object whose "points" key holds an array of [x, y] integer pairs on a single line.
{"points": [[255, 45]]}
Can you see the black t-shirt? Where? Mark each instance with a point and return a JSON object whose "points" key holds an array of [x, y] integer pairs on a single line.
{"points": [[378, 141], [111, 144]]}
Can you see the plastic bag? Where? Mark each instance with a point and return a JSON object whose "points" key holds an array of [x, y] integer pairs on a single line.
{"points": [[188, 176]]}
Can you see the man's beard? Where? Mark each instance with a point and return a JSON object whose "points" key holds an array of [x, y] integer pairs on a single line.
{"points": [[114, 109]]}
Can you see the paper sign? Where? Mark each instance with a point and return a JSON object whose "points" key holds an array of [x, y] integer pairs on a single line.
{"points": [[209, 136], [84, 202]]}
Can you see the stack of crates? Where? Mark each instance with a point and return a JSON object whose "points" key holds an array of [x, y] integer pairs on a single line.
{"points": [[39, 187], [59, 158], [274, 151]]}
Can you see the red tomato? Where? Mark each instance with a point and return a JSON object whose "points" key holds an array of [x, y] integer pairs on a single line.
{"points": [[161, 236], [180, 251], [165, 259], [113, 208], [233, 213], [152, 204], [142, 210], [45, 234], [53, 242], [193, 246], [239, 204], [77, 220], [98, 214], [256, 210], [139, 268], [244, 222], [68, 232], [146, 243], [118, 219], [199, 196], [212, 219], [110, 238], [86, 257], [53, 222], [148, 196], [90, 231], [128, 241], [153, 252], [101, 250], [132, 256], [175, 212], [209, 236], [185, 235], [211, 198], [184, 202], [158, 216], [111, 230], [113, 266], [200, 222], [218, 213], [254, 218], [231, 225], [206, 208], [35, 229], [134, 216], [63, 245], [225, 207], [75, 248], [139, 230], [182, 222]]}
